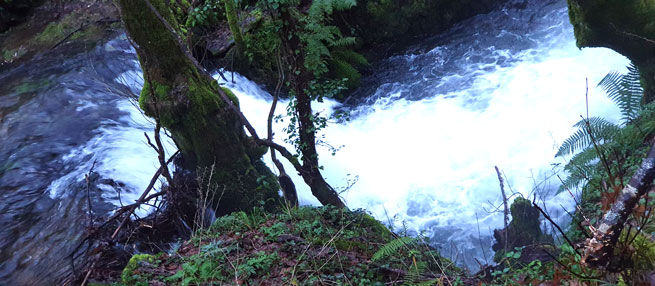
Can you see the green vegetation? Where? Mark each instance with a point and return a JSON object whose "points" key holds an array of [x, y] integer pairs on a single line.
{"points": [[606, 152], [300, 246], [607, 156]]}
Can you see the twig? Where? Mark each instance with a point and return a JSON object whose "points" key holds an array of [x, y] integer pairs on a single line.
{"points": [[88, 193], [480, 240], [598, 151], [568, 268], [88, 273], [558, 228], [506, 210], [586, 95]]}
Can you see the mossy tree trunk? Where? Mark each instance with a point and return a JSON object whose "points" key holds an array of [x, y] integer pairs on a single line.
{"points": [[626, 26], [185, 100], [300, 78], [233, 23]]}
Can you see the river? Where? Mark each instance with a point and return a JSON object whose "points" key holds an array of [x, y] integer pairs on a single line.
{"points": [[427, 129]]}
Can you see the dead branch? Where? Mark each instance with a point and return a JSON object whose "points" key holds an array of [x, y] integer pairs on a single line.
{"points": [[129, 209], [287, 185], [600, 249], [87, 178], [506, 210]]}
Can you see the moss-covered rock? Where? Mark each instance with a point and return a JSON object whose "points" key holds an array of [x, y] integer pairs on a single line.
{"points": [[378, 22], [626, 26], [524, 229], [130, 276]]}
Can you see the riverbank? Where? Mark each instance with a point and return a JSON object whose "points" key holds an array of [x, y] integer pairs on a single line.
{"points": [[297, 246], [47, 25]]}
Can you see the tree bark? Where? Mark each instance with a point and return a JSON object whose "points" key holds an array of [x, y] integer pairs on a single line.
{"points": [[599, 249], [206, 129]]}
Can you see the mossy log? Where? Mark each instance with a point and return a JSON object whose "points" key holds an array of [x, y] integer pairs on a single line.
{"points": [[626, 26], [208, 133]]}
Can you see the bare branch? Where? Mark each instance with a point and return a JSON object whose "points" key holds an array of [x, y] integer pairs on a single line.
{"points": [[506, 210]]}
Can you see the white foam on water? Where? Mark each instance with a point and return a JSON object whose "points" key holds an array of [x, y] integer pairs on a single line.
{"points": [[430, 163], [120, 152]]}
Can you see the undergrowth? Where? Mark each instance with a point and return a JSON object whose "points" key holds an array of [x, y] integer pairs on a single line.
{"points": [[300, 246]]}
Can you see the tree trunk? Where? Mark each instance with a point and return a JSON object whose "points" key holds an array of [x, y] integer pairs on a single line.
{"points": [[233, 23], [186, 102], [311, 171], [300, 78], [600, 248]]}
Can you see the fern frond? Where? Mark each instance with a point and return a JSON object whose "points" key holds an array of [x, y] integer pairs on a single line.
{"points": [[352, 57], [601, 129], [415, 273], [341, 5], [625, 91], [342, 69], [584, 158], [343, 42], [391, 247], [580, 168]]}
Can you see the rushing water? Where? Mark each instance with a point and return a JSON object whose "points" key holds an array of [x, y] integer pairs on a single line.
{"points": [[427, 129]]}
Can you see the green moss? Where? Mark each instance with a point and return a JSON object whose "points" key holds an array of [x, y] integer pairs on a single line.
{"points": [[52, 33], [232, 20], [128, 277], [641, 250], [299, 246], [31, 86], [231, 95], [87, 32], [377, 227], [626, 26]]}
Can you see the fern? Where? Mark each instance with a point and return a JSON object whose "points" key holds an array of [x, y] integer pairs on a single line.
{"points": [[352, 57], [625, 91], [580, 168], [415, 274], [319, 37], [601, 130], [391, 247], [429, 282], [342, 69]]}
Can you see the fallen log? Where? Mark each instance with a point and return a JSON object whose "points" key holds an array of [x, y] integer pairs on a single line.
{"points": [[599, 249]]}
